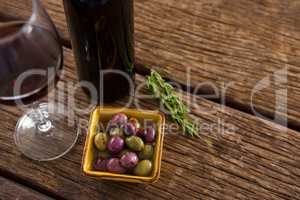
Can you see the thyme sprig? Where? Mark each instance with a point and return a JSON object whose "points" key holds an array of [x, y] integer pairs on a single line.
{"points": [[178, 110]]}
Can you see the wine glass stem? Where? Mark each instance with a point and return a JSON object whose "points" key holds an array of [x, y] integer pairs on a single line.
{"points": [[44, 124]]}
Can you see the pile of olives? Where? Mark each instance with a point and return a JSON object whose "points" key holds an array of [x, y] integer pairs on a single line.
{"points": [[125, 147]]}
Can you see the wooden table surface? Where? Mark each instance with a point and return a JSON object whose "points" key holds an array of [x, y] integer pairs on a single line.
{"points": [[234, 44]]}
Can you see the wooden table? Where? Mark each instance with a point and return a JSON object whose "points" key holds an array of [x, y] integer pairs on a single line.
{"points": [[233, 44]]}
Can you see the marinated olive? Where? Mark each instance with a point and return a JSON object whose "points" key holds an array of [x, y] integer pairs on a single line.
{"points": [[147, 152], [129, 129], [101, 164], [119, 119], [100, 141], [136, 158], [115, 144], [116, 132], [135, 143], [129, 160], [114, 166], [111, 125], [150, 135], [143, 168], [135, 122], [124, 151], [141, 132]]}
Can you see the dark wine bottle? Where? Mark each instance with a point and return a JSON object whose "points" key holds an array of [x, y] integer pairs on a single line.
{"points": [[102, 36]]}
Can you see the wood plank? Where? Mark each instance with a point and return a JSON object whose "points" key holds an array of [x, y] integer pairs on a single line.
{"points": [[247, 158], [231, 44], [228, 43], [10, 190]]}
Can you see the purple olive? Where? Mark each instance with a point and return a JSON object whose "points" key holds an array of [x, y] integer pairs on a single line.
{"points": [[119, 119], [101, 164], [115, 144], [123, 152], [135, 122], [150, 135], [114, 166], [141, 133], [129, 160], [129, 129]]}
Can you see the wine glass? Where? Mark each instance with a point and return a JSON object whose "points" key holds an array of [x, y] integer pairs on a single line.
{"points": [[30, 60], [30, 52]]}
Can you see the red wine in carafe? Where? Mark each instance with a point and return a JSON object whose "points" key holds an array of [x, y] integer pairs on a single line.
{"points": [[103, 44]]}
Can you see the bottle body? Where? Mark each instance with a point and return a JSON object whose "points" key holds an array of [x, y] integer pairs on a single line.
{"points": [[102, 36]]}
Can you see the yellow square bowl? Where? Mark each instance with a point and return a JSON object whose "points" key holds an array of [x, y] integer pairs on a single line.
{"points": [[103, 115]]}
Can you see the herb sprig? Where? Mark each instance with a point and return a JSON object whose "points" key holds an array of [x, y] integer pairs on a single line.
{"points": [[166, 94]]}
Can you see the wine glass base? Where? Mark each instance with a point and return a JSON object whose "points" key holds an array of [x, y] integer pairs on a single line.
{"points": [[48, 140]]}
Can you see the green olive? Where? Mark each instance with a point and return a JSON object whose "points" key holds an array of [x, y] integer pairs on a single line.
{"points": [[135, 143], [147, 152], [143, 168], [116, 132], [100, 141]]}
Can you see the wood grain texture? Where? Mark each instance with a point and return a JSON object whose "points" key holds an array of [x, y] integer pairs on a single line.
{"points": [[10, 190], [230, 44], [239, 45], [245, 158]]}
